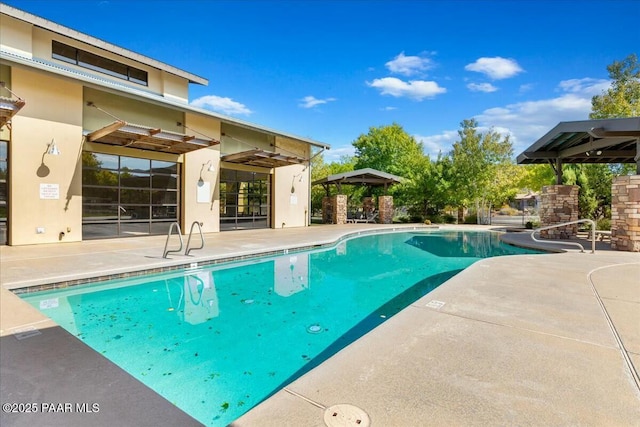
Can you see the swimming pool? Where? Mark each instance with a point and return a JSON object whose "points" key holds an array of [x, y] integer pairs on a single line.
{"points": [[217, 340]]}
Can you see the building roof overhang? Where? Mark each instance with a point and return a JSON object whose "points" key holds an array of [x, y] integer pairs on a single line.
{"points": [[588, 141], [9, 108], [125, 134], [262, 158]]}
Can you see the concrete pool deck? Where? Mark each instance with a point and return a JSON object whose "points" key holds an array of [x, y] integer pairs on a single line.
{"points": [[521, 340]]}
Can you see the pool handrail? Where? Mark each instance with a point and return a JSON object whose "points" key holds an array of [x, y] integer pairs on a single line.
{"points": [[166, 251], [548, 227], [199, 224]]}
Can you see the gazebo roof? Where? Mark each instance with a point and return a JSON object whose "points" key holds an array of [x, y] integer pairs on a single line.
{"points": [[588, 141], [367, 176]]}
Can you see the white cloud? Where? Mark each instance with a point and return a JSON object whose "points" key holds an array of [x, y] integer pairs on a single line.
{"points": [[481, 87], [416, 89], [336, 154], [389, 108], [312, 101], [525, 88], [586, 86], [409, 65], [526, 122], [435, 144], [221, 104], [496, 68]]}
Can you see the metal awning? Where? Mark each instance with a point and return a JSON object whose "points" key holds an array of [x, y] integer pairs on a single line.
{"points": [[262, 158], [8, 108], [589, 141], [147, 138]]}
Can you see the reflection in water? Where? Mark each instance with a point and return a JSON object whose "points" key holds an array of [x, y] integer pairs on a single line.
{"points": [[291, 274], [465, 245], [200, 298]]}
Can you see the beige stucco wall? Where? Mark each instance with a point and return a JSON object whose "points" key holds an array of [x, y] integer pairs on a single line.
{"points": [[129, 110], [237, 139], [174, 88], [290, 196], [15, 36], [197, 177], [52, 111]]}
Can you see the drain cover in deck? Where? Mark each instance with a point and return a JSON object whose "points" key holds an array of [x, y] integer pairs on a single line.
{"points": [[345, 415]]}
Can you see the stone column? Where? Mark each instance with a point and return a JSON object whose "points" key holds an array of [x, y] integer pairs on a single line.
{"points": [[334, 209], [385, 209], [559, 203], [625, 213], [327, 210], [340, 209]]}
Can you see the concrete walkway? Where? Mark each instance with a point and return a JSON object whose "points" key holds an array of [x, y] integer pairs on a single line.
{"points": [[520, 340]]}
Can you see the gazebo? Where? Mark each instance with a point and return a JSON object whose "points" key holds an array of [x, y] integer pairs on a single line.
{"points": [[334, 208], [591, 141]]}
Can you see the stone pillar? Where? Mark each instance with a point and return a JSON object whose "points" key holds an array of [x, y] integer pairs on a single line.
{"points": [[625, 213], [334, 209], [559, 203], [385, 209], [340, 209], [327, 210]]}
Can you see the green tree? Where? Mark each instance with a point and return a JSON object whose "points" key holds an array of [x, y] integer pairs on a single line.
{"points": [[389, 149], [427, 193], [622, 99], [476, 162]]}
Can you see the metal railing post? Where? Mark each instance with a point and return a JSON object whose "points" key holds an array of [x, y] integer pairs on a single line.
{"points": [[593, 234]]}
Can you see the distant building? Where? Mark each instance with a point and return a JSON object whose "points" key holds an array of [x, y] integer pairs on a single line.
{"points": [[98, 142]]}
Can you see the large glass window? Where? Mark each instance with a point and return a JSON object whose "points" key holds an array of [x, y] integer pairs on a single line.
{"points": [[4, 193], [127, 196], [244, 200]]}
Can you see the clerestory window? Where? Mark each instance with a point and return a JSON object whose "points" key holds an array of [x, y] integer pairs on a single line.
{"points": [[72, 55]]}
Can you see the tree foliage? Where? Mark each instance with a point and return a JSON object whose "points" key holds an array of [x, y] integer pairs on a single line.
{"points": [[478, 160], [389, 149], [622, 99]]}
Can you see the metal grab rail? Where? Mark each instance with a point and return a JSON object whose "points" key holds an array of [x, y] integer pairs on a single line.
{"points": [[593, 234], [199, 224], [166, 251]]}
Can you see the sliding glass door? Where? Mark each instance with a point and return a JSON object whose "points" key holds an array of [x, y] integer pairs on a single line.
{"points": [[128, 196], [244, 200]]}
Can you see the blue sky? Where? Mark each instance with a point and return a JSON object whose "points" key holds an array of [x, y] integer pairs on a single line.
{"points": [[329, 70]]}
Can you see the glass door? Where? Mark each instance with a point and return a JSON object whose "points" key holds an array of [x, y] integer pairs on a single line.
{"points": [[244, 200]]}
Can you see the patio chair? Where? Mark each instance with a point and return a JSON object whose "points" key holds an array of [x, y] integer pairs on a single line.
{"points": [[370, 218]]}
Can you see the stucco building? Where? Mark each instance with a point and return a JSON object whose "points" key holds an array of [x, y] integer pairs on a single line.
{"points": [[99, 142]]}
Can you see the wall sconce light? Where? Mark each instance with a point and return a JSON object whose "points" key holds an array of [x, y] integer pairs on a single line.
{"points": [[52, 148], [293, 180], [211, 168]]}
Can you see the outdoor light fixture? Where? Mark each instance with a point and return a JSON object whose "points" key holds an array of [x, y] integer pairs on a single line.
{"points": [[52, 148], [211, 168]]}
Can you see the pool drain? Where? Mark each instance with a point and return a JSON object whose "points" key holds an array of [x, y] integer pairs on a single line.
{"points": [[314, 329], [345, 415]]}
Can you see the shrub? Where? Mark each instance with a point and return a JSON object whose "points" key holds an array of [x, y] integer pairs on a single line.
{"points": [[471, 219], [449, 219], [427, 222], [603, 224], [506, 210]]}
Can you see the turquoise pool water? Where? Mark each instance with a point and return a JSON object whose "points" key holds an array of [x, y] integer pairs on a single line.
{"points": [[217, 340]]}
